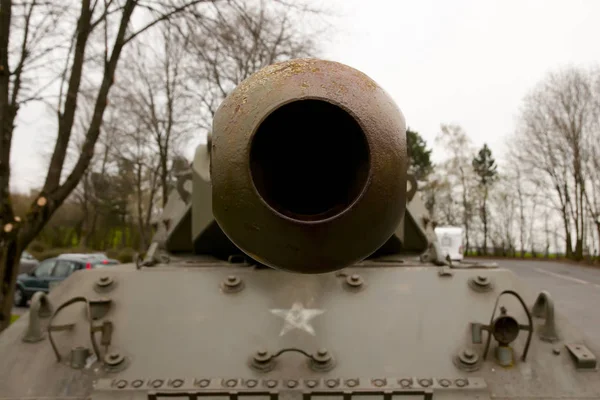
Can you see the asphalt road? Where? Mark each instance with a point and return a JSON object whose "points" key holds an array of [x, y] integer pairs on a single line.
{"points": [[574, 289]]}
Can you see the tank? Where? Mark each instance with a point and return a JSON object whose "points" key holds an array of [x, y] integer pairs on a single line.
{"points": [[295, 260]]}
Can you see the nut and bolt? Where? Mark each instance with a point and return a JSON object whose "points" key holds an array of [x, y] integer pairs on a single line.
{"points": [[405, 383], [444, 382], [480, 283], [352, 382], [331, 383], [461, 382], [271, 383], [202, 383], [113, 359], [292, 384], [425, 382], [157, 383], [469, 357], [177, 383], [104, 281], [122, 384], [262, 356], [378, 382], [232, 281], [232, 284], [322, 356], [311, 383], [137, 383], [251, 383], [354, 281], [230, 383]]}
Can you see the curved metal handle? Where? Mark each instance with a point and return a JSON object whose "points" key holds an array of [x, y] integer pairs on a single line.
{"points": [[51, 328], [544, 308], [521, 327]]}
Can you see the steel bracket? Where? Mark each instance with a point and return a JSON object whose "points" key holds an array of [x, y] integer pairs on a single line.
{"points": [[583, 357]]}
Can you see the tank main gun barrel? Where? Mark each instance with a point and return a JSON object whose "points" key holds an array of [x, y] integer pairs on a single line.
{"points": [[308, 166]]}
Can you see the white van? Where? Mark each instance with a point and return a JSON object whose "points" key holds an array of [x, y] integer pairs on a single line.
{"points": [[451, 241]]}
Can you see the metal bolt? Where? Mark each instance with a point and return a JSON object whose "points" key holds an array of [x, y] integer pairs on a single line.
{"points": [[262, 356], [271, 383], [104, 281], [292, 384], [202, 383], [444, 382], [311, 383], [122, 384], [556, 351], [322, 352], [481, 278], [113, 359], [461, 382], [230, 383], [251, 383], [405, 383], [232, 281], [177, 383], [354, 280], [137, 383], [468, 353], [352, 382], [425, 382], [331, 383], [157, 383], [378, 382]]}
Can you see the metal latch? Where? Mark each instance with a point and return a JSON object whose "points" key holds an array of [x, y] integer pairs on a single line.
{"points": [[582, 356]]}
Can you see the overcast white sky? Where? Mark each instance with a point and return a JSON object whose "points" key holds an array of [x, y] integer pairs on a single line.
{"points": [[444, 61]]}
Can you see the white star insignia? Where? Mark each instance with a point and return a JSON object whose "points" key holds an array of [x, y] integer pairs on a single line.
{"points": [[297, 317]]}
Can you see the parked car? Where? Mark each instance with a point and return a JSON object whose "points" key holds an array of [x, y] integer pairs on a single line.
{"points": [[51, 272], [91, 256], [27, 263]]}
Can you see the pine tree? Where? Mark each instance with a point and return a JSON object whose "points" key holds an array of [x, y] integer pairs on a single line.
{"points": [[487, 172]]}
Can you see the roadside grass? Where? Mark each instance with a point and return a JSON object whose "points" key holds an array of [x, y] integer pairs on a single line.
{"points": [[13, 318]]}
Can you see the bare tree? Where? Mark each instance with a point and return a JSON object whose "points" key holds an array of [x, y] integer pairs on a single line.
{"points": [[240, 39], [555, 126], [178, 76], [91, 55]]}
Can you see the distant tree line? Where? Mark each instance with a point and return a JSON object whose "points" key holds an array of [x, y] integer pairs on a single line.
{"points": [[545, 197]]}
